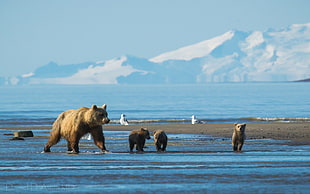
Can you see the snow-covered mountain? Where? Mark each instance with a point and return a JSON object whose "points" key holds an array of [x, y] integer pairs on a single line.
{"points": [[235, 56], [87, 73], [198, 50]]}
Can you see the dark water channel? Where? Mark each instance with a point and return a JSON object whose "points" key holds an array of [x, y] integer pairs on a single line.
{"points": [[192, 163]]}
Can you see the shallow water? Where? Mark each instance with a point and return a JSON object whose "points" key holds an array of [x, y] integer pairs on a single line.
{"points": [[192, 163]]}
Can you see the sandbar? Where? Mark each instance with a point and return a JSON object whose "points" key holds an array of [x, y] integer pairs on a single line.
{"points": [[298, 133]]}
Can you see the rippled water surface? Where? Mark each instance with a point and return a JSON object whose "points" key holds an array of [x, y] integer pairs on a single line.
{"points": [[192, 163]]}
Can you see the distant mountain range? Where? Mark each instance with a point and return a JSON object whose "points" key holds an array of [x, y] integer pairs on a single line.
{"points": [[235, 56]]}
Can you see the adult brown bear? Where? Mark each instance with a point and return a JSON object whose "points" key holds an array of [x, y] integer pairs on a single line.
{"points": [[137, 137], [74, 124]]}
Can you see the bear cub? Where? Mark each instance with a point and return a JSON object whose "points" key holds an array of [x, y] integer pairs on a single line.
{"points": [[138, 137], [238, 137], [160, 140], [74, 124]]}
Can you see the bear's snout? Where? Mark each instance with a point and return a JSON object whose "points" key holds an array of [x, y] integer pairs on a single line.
{"points": [[105, 120]]}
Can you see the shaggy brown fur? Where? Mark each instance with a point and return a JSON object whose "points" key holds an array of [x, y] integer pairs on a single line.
{"points": [[160, 140], [137, 137], [238, 137], [74, 124]]}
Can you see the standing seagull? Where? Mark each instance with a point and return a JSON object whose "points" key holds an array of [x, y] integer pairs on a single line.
{"points": [[123, 120], [195, 121]]}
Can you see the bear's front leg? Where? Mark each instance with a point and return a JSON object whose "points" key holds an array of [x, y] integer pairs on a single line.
{"points": [[158, 146], [240, 147], [99, 139], [235, 147], [140, 145], [164, 146], [69, 147]]}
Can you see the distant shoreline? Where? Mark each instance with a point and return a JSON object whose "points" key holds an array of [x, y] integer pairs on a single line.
{"points": [[304, 80], [298, 133]]}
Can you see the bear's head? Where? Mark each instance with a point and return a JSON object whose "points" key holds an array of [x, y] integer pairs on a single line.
{"points": [[98, 115], [240, 127], [156, 134], [145, 133]]}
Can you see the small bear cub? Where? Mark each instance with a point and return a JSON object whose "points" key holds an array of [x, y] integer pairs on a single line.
{"points": [[160, 140], [238, 137], [138, 137]]}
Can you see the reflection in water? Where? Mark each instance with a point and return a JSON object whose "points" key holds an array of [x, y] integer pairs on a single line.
{"points": [[192, 163]]}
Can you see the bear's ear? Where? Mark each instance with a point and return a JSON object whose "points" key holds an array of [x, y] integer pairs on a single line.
{"points": [[94, 107], [104, 106]]}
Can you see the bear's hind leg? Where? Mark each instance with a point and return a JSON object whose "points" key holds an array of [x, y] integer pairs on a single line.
{"points": [[73, 147], [54, 139], [47, 148]]}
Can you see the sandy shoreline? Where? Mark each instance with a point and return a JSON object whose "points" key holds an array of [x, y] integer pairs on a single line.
{"points": [[297, 133]]}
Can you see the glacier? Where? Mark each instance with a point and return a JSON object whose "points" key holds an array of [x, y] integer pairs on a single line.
{"points": [[274, 55]]}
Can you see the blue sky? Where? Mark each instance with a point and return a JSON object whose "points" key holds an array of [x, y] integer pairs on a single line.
{"points": [[35, 32]]}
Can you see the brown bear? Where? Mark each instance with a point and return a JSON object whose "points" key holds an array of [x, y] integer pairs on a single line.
{"points": [[137, 137], [74, 124], [238, 137], [160, 140]]}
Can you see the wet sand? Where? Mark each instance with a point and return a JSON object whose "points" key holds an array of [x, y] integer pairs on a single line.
{"points": [[298, 133]]}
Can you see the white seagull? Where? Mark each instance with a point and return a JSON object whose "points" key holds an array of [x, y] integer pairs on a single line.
{"points": [[87, 136], [123, 120], [195, 121]]}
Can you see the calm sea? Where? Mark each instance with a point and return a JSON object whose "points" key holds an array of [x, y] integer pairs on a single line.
{"points": [[221, 102]]}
